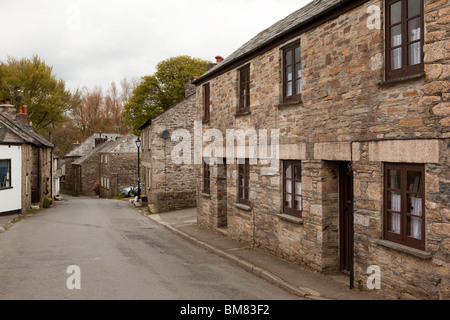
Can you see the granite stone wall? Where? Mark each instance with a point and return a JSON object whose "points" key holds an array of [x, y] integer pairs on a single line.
{"points": [[348, 113]]}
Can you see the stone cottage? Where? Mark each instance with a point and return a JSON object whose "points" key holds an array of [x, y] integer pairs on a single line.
{"points": [[355, 97], [118, 166], [80, 150], [169, 185], [25, 162]]}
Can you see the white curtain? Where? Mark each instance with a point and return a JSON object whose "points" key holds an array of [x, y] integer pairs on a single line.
{"points": [[395, 217], [289, 201], [397, 53], [415, 47], [396, 202], [395, 222], [416, 222], [298, 200], [288, 186], [298, 188]]}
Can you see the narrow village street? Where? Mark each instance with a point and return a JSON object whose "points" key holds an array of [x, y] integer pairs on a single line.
{"points": [[311, 162], [120, 253]]}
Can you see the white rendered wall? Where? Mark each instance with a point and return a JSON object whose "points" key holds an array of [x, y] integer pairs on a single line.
{"points": [[11, 198]]}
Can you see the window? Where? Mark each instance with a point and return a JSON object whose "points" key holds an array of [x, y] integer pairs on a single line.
{"points": [[244, 89], [5, 174], [292, 75], [244, 181], [149, 178], [404, 38], [292, 188], [404, 222], [206, 177], [206, 102]]}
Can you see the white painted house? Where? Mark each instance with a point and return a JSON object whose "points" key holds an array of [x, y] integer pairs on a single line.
{"points": [[10, 178], [25, 162]]}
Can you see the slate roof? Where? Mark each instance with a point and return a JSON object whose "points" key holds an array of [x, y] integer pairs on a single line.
{"points": [[23, 133], [89, 144], [92, 152], [125, 144], [304, 15]]}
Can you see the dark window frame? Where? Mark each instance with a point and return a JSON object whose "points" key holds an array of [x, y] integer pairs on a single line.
{"points": [[406, 69], [244, 188], [244, 89], [206, 102], [291, 210], [405, 192], [292, 62], [206, 177], [9, 163]]}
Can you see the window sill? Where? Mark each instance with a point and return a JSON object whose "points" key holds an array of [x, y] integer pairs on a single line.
{"points": [[7, 188], [242, 206], [296, 101], [205, 195], [242, 113], [287, 217], [290, 104], [402, 248], [389, 82]]}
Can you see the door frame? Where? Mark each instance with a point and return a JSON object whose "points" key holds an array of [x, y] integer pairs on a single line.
{"points": [[346, 218]]}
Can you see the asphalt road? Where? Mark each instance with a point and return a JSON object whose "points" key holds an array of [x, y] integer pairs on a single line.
{"points": [[119, 254]]}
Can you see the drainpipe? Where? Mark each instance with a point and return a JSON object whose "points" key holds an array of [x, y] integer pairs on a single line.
{"points": [[351, 231], [51, 173], [39, 186]]}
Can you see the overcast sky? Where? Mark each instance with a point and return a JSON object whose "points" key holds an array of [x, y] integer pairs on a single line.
{"points": [[94, 42]]}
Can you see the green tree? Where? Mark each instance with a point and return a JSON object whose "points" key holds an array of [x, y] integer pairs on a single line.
{"points": [[47, 98], [157, 93]]}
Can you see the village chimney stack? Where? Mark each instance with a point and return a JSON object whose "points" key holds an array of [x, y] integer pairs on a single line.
{"points": [[22, 116], [7, 108]]}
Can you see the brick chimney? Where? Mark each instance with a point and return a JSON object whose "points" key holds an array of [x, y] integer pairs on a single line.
{"points": [[7, 108], [22, 115], [75, 145]]}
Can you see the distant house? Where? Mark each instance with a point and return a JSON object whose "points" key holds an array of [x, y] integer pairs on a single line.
{"points": [[59, 173], [79, 151], [25, 162], [168, 186], [118, 166]]}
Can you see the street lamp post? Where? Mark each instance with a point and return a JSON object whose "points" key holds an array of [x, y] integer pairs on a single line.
{"points": [[138, 145]]}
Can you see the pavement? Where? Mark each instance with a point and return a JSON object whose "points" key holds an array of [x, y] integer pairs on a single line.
{"points": [[305, 283], [293, 278], [7, 220]]}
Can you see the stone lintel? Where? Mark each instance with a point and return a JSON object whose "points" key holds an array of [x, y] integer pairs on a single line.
{"points": [[408, 151], [295, 151], [333, 151]]}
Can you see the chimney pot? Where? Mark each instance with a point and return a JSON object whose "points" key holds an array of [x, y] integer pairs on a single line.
{"points": [[219, 59], [8, 101], [25, 109], [20, 109]]}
